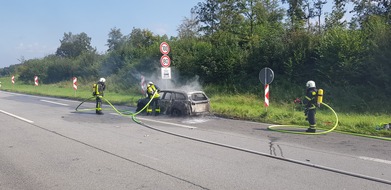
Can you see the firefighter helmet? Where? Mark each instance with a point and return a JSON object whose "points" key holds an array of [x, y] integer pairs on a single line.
{"points": [[310, 84]]}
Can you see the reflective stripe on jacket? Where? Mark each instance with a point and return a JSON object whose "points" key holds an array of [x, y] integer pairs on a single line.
{"points": [[151, 89], [311, 98], [99, 88]]}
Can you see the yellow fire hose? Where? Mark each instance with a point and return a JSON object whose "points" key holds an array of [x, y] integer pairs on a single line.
{"points": [[272, 127], [133, 115], [275, 127]]}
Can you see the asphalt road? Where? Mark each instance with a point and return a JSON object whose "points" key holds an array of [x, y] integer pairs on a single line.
{"points": [[46, 144]]}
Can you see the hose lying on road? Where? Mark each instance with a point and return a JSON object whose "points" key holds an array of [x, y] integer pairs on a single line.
{"points": [[272, 127], [275, 127], [133, 115], [124, 113]]}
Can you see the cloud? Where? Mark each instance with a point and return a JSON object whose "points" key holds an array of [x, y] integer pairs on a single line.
{"points": [[34, 48]]}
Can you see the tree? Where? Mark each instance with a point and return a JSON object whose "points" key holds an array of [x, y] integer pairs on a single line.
{"points": [[31, 68], [338, 12], [318, 5], [189, 28], [295, 13], [342, 56], [378, 55], [207, 15], [366, 8], [116, 39], [309, 13], [74, 45], [139, 38]]}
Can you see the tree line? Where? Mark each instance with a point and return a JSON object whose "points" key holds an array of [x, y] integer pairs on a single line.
{"points": [[227, 42]]}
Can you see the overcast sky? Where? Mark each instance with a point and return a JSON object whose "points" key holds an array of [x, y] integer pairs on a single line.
{"points": [[33, 28]]}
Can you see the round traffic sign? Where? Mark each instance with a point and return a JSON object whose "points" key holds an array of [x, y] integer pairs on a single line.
{"points": [[164, 48], [266, 76], [165, 61]]}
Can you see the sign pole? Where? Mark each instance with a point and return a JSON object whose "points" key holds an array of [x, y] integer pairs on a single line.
{"points": [[266, 76]]}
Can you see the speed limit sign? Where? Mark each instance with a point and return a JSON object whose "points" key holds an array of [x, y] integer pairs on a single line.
{"points": [[165, 61], [164, 48]]}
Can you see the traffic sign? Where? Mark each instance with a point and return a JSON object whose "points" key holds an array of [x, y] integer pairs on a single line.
{"points": [[13, 79], [267, 95], [165, 61], [164, 48], [36, 80], [166, 73], [74, 83], [266, 76]]}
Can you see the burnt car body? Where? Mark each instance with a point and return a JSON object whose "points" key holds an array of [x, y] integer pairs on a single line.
{"points": [[180, 103]]}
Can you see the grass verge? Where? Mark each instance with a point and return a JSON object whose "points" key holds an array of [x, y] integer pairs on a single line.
{"points": [[241, 106]]}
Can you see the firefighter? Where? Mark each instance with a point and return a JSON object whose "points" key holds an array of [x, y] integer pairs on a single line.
{"points": [[153, 93], [98, 89], [311, 102]]}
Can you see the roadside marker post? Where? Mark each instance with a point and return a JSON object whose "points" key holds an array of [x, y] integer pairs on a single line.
{"points": [[36, 80], [266, 76], [74, 84]]}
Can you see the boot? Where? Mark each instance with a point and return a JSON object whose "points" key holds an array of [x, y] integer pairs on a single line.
{"points": [[311, 130]]}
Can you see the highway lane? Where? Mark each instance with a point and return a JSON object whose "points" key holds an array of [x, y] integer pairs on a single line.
{"points": [[62, 149]]}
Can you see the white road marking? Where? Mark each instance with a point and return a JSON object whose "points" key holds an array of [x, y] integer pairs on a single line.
{"points": [[54, 102], [375, 160], [4, 92], [150, 157], [28, 95], [17, 117], [168, 123]]}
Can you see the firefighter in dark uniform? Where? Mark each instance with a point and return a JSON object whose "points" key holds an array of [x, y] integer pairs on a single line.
{"points": [[153, 93], [98, 89], [310, 103]]}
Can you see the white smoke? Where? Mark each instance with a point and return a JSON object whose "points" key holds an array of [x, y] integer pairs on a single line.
{"points": [[174, 83]]}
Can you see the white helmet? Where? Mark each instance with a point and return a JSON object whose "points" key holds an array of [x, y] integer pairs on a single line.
{"points": [[102, 80], [310, 84], [150, 83]]}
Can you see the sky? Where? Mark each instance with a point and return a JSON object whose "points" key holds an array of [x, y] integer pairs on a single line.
{"points": [[33, 28]]}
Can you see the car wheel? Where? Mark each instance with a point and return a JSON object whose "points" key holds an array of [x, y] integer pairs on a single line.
{"points": [[175, 112]]}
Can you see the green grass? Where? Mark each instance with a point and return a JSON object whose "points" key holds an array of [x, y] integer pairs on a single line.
{"points": [[241, 106], [252, 108]]}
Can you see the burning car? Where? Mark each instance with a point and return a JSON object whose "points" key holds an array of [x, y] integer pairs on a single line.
{"points": [[180, 103]]}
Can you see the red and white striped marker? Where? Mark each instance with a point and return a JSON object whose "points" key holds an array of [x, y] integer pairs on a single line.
{"points": [[266, 95], [36, 80], [74, 83], [13, 79]]}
